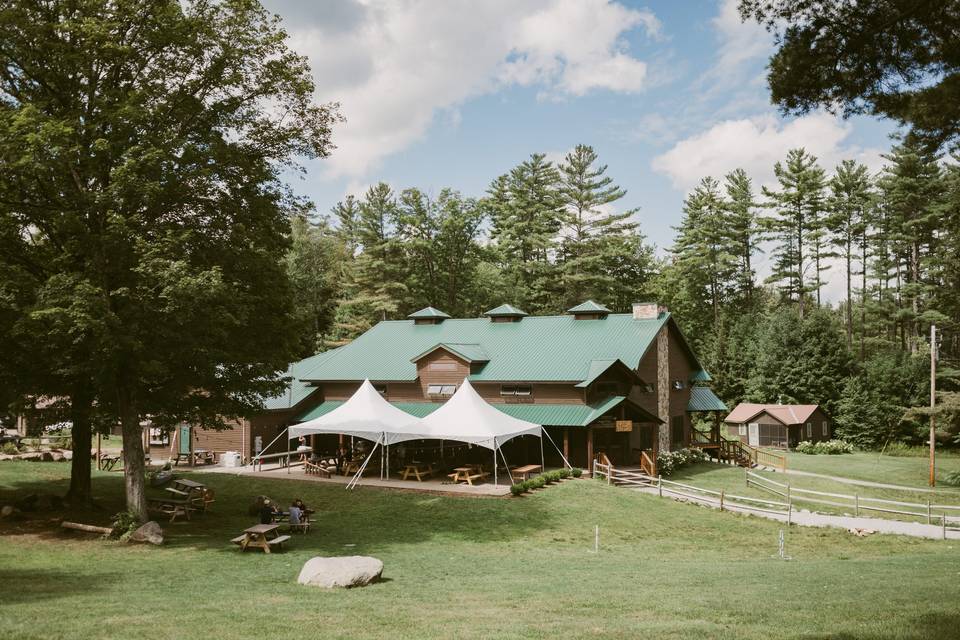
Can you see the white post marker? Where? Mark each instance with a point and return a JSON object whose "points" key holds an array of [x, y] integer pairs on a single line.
{"points": [[596, 538]]}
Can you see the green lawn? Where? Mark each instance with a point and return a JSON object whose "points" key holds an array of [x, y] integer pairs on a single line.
{"points": [[470, 568], [864, 465]]}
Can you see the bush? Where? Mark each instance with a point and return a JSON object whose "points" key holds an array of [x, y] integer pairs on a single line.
{"points": [[668, 462], [538, 483], [124, 523], [9, 448], [552, 476], [952, 479], [576, 472], [518, 488], [564, 473], [825, 447]]}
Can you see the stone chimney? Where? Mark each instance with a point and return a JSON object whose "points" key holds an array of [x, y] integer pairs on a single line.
{"points": [[647, 310]]}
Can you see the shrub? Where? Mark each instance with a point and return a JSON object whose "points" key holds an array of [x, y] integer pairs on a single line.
{"points": [[124, 523], [518, 488], [10, 449], [825, 447], [576, 472], [564, 473], [538, 483], [552, 476], [668, 462], [952, 479]]}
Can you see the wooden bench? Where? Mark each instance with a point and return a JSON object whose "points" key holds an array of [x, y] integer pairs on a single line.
{"points": [[316, 469], [279, 540], [417, 470], [172, 508], [481, 476], [524, 472], [239, 539]]}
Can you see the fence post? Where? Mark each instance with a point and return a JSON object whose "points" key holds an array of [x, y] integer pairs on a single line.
{"points": [[943, 524], [928, 511], [856, 504], [721, 499], [789, 507], [746, 476], [609, 479], [660, 485]]}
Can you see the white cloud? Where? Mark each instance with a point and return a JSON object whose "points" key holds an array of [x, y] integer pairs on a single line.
{"points": [[740, 42], [394, 65], [755, 144]]}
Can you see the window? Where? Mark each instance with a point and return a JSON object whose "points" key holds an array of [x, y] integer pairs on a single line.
{"points": [[676, 432], [646, 388], [742, 430], [443, 366], [679, 385], [516, 390], [826, 429], [441, 389], [809, 430]]}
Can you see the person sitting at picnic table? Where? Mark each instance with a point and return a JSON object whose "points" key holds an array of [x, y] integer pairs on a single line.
{"points": [[267, 512], [295, 514]]}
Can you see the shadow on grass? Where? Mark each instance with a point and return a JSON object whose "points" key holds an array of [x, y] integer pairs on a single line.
{"points": [[358, 521], [33, 585]]}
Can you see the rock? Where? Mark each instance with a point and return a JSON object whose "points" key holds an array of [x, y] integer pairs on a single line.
{"points": [[343, 571], [46, 456], [6, 511], [149, 532], [57, 456], [68, 455], [34, 456]]}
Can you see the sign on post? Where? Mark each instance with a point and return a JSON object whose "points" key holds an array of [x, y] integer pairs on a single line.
{"points": [[624, 425]]}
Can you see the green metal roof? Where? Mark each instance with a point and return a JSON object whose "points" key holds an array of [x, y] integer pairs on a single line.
{"points": [[700, 375], [506, 310], [548, 415], [466, 352], [703, 399], [589, 307], [428, 312], [536, 349], [297, 388]]}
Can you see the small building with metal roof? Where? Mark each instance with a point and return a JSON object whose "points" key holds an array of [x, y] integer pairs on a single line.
{"points": [[779, 426]]}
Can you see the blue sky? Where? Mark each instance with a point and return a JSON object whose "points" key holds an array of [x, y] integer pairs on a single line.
{"points": [[443, 93]]}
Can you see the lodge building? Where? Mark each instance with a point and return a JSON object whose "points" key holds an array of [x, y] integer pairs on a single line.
{"points": [[596, 380]]}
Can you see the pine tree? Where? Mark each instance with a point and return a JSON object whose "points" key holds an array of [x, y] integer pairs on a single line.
{"points": [[705, 250], [742, 224], [527, 214], [849, 204], [593, 236], [911, 185], [798, 225], [312, 266]]}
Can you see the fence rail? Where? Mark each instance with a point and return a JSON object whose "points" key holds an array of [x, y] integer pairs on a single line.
{"points": [[856, 502]]}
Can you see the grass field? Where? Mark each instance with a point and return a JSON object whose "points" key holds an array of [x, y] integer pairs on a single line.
{"points": [[871, 466], [469, 568]]}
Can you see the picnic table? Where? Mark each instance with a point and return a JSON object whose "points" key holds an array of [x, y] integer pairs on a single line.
{"points": [[467, 474], [260, 536], [183, 497], [524, 472], [417, 469], [200, 456]]}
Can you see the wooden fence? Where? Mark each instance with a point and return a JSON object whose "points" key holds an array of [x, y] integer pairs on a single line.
{"points": [[856, 502]]}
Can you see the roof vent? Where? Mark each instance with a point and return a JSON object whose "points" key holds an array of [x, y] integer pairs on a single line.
{"points": [[428, 315], [589, 310], [647, 310], [505, 313]]}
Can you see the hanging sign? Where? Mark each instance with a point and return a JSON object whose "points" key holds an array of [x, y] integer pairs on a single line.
{"points": [[624, 425]]}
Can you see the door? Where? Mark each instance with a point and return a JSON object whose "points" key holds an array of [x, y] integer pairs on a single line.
{"points": [[753, 434], [184, 440]]}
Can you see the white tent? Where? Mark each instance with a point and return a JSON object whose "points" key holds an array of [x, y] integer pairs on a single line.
{"points": [[466, 417], [365, 415]]}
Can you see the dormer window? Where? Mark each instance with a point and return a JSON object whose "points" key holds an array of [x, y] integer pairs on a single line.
{"points": [[589, 310], [444, 390], [443, 366], [608, 388], [523, 390]]}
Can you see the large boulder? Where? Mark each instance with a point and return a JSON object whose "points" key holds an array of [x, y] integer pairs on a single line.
{"points": [[148, 533], [343, 571]]}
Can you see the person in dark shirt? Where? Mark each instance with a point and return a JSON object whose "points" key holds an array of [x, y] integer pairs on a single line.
{"points": [[267, 512]]}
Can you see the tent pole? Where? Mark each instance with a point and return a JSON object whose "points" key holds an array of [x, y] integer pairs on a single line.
{"points": [[495, 483], [507, 465], [288, 449], [388, 460], [545, 433], [353, 483], [262, 451], [543, 464]]}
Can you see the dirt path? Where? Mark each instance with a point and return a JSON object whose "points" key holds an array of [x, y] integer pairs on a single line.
{"points": [[808, 519]]}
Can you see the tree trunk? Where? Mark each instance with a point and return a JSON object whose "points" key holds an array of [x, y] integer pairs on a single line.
{"points": [[849, 294], [133, 460], [81, 403], [863, 298]]}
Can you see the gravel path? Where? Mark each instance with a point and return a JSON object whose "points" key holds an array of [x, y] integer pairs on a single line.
{"points": [[809, 519]]}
